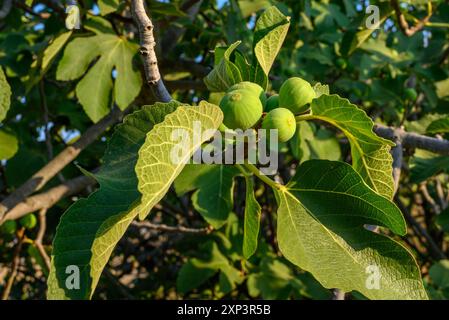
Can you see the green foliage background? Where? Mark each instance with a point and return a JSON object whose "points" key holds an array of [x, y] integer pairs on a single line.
{"points": [[56, 83]]}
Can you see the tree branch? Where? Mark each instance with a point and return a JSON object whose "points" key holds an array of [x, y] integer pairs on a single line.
{"points": [[40, 236], [47, 199], [397, 154], [46, 173], [40, 178], [428, 197], [15, 264], [413, 140], [403, 24], [433, 247], [166, 228], [24, 7], [149, 58]]}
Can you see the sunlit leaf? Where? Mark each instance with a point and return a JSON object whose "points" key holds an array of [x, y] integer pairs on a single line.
{"points": [[90, 229], [156, 167], [370, 154], [321, 218], [96, 91]]}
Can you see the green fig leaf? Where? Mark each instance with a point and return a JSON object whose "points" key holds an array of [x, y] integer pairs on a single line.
{"points": [[321, 218], [371, 156]]}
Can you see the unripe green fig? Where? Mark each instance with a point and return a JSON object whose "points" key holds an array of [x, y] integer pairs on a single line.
{"points": [[283, 120], [9, 227], [29, 221], [258, 90], [341, 63], [272, 103], [411, 94], [241, 109], [295, 94]]}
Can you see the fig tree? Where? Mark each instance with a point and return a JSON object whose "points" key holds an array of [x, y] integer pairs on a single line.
{"points": [[295, 94], [241, 109], [29, 221], [272, 103], [283, 120], [258, 90]]}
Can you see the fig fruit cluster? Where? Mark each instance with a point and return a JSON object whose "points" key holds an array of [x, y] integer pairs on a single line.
{"points": [[245, 103]]}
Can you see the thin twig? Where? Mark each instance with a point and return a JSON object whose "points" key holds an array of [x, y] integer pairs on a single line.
{"points": [[166, 228], [403, 24], [40, 236], [15, 264], [413, 140], [397, 154], [24, 7], [428, 197], [440, 194], [434, 248], [147, 44], [48, 198], [53, 167]]}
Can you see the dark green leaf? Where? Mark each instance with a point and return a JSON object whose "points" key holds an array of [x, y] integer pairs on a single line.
{"points": [[252, 220], [321, 218], [89, 230]]}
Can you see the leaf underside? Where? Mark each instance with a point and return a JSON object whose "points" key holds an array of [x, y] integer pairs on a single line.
{"points": [[321, 216], [96, 90], [371, 156], [5, 95], [89, 230], [155, 168]]}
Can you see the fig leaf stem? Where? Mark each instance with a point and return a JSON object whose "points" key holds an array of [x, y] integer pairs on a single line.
{"points": [[254, 170]]}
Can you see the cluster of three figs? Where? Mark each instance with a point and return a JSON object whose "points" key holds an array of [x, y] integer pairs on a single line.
{"points": [[245, 103]]}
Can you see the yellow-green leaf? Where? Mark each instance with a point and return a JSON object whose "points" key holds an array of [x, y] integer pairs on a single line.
{"points": [[90, 229], [156, 168], [95, 89], [8, 145], [321, 218], [225, 72], [371, 156], [5, 95], [269, 34]]}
